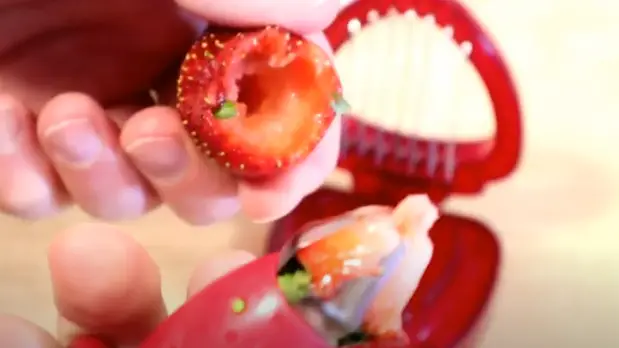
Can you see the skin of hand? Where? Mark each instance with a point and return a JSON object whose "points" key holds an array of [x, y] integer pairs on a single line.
{"points": [[121, 304], [77, 125]]}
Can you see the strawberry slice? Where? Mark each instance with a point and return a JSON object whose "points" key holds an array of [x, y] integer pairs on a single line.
{"points": [[257, 101]]}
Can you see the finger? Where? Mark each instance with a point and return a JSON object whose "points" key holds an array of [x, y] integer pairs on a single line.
{"points": [[18, 333], [105, 284], [303, 16], [83, 146], [29, 187], [197, 190], [268, 201], [215, 267]]}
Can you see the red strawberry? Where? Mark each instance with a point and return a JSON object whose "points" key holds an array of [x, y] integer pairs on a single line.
{"points": [[257, 101]]}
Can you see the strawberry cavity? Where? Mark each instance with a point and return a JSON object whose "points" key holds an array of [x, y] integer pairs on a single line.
{"points": [[257, 101]]}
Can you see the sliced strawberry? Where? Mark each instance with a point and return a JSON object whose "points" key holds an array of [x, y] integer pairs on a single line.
{"points": [[257, 101]]}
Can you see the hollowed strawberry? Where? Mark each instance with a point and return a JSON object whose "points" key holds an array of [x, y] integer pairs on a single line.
{"points": [[257, 101]]}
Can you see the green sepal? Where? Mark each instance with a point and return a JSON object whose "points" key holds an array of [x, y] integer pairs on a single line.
{"points": [[227, 110], [295, 286], [339, 104]]}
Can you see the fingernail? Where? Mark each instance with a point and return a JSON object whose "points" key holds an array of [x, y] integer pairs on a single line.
{"points": [[163, 159], [29, 194], [10, 129], [74, 142]]}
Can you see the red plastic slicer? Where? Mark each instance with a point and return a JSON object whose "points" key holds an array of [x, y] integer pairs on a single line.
{"points": [[386, 162]]}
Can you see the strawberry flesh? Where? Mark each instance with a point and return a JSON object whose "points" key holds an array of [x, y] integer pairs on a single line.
{"points": [[257, 101]]}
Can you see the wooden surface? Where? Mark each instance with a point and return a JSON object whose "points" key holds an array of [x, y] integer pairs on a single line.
{"points": [[557, 217]]}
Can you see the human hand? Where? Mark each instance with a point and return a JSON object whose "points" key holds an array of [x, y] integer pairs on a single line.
{"points": [[106, 285], [103, 147]]}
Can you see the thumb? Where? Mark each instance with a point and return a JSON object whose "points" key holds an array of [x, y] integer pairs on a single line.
{"points": [[104, 284]]}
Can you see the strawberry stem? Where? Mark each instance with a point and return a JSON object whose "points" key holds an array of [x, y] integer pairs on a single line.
{"points": [[339, 104], [226, 110], [295, 286]]}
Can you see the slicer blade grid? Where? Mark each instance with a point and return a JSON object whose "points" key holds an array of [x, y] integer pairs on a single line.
{"points": [[414, 93]]}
